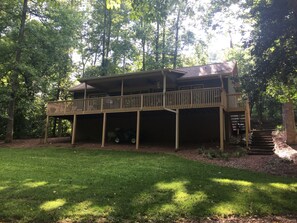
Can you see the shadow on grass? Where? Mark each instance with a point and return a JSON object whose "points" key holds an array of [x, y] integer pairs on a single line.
{"points": [[49, 185]]}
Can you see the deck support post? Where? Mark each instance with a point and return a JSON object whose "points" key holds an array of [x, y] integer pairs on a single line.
{"points": [[73, 130], [46, 129], [221, 129], [224, 127], [103, 129], [246, 118], [177, 129], [137, 129]]}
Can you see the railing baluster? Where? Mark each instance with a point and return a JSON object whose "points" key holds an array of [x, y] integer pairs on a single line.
{"points": [[174, 99]]}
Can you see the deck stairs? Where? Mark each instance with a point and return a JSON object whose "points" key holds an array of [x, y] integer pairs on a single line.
{"points": [[261, 143]]}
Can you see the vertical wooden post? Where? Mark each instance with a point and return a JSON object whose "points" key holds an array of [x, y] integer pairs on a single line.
{"points": [[246, 128], [177, 129], [137, 129], [248, 115], [224, 126], [122, 88], [73, 129], [103, 129], [122, 92], [85, 96], [102, 104], [221, 129], [164, 89], [46, 129], [141, 101]]}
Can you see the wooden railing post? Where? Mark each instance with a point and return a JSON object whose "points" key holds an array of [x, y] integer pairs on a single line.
{"points": [[141, 101], [101, 105]]}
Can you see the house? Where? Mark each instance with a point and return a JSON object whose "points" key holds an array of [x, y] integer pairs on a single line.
{"points": [[184, 105]]}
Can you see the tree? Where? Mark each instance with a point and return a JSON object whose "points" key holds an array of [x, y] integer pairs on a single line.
{"points": [[274, 43], [37, 54], [15, 73]]}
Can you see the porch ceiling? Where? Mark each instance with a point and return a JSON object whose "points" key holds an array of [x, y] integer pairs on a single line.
{"points": [[132, 81]]}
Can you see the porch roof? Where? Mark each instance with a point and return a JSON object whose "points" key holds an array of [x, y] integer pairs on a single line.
{"points": [[208, 71]]}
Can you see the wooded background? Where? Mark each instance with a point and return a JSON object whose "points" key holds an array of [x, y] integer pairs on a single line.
{"points": [[45, 45]]}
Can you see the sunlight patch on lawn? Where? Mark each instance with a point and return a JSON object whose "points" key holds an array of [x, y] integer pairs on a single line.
{"points": [[35, 184], [225, 208], [180, 192], [235, 182], [3, 188], [282, 186], [173, 198], [51, 205], [88, 208]]}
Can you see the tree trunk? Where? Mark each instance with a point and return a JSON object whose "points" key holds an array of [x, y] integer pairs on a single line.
{"points": [[104, 35], [176, 39], [163, 45], [293, 5], [108, 39], [143, 42], [14, 76], [289, 122], [157, 42]]}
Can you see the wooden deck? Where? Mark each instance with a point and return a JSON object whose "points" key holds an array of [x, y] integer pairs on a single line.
{"points": [[182, 99]]}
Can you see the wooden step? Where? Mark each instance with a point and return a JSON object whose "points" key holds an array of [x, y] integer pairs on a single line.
{"points": [[260, 152]]}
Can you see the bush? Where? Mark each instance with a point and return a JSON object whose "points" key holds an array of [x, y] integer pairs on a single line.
{"points": [[212, 153]]}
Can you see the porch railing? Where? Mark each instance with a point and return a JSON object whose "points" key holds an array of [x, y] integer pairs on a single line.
{"points": [[195, 98]]}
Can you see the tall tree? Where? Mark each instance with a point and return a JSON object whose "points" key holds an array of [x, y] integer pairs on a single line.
{"points": [[15, 74], [37, 49], [274, 43]]}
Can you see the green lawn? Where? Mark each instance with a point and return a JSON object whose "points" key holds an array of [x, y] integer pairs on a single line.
{"points": [[52, 184]]}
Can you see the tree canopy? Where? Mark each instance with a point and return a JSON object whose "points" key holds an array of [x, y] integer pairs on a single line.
{"points": [[45, 44]]}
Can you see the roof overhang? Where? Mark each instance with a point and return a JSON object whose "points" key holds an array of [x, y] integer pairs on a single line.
{"points": [[145, 78]]}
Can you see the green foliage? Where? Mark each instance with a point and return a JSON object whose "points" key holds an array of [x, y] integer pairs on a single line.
{"points": [[215, 153], [137, 35], [45, 65], [57, 184], [274, 43]]}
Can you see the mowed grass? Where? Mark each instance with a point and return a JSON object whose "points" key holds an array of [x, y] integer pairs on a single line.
{"points": [[56, 184]]}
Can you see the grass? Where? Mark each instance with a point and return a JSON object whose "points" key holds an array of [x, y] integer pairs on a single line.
{"points": [[56, 184]]}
